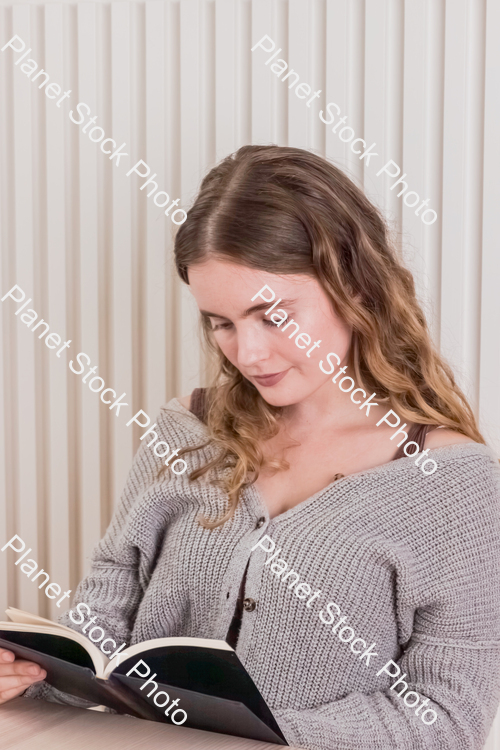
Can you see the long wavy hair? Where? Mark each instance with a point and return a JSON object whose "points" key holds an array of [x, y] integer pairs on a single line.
{"points": [[288, 211]]}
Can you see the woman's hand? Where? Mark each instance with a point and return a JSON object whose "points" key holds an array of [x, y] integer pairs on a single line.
{"points": [[17, 675]]}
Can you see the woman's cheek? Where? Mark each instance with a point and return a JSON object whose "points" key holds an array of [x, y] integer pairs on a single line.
{"points": [[227, 347], [296, 355]]}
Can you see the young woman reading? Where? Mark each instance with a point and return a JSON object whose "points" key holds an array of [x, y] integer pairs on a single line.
{"points": [[281, 458]]}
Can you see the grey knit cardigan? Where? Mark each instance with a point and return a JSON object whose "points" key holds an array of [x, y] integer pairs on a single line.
{"points": [[411, 562]]}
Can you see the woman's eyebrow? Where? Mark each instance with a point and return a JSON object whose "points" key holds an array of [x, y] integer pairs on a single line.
{"points": [[267, 305], [212, 315], [250, 310]]}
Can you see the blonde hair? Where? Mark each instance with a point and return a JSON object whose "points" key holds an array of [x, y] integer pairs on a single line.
{"points": [[286, 210]]}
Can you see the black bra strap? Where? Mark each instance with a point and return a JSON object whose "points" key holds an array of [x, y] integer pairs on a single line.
{"points": [[198, 404], [417, 433]]}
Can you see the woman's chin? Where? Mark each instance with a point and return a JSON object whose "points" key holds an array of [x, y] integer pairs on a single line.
{"points": [[276, 396]]}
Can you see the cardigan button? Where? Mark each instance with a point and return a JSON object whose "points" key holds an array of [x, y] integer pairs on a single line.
{"points": [[260, 522], [249, 605]]}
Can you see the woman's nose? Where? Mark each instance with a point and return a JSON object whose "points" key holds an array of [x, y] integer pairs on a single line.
{"points": [[252, 347]]}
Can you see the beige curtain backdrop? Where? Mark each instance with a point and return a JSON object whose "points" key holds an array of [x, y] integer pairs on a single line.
{"points": [[177, 82]]}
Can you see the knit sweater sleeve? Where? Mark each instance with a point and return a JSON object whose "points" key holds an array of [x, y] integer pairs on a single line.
{"points": [[453, 655], [462, 683], [121, 563]]}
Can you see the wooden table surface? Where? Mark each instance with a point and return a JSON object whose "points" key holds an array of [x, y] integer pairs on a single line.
{"points": [[38, 725]]}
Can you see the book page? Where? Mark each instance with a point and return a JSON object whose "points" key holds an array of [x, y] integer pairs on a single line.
{"points": [[141, 648], [18, 615], [28, 623]]}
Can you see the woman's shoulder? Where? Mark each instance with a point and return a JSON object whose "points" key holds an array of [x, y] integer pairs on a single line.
{"points": [[457, 453], [442, 437], [467, 480], [461, 449], [184, 415], [185, 401], [196, 403]]}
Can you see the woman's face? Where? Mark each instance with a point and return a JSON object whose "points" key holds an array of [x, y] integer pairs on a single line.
{"points": [[275, 360]]}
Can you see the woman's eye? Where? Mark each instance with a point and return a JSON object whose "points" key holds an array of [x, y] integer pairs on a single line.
{"points": [[226, 326]]}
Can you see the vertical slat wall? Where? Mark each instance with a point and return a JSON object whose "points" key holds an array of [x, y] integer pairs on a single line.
{"points": [[462, 190], [90, 406], [58, 509], [176, 81], [123, 73], [30, 472], [158, 343], [489, 365]]}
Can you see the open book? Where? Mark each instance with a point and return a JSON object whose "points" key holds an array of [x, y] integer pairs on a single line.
{"points": [[213, 687]]}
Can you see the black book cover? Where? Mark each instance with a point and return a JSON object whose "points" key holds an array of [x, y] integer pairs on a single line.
{"points": [[214, 688]]}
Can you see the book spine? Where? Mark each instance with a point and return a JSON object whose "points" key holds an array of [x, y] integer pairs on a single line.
{"points": [[130, 705]]}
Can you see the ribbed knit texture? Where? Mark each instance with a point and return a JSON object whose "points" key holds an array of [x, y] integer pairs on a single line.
{"points": [[413, 561]]}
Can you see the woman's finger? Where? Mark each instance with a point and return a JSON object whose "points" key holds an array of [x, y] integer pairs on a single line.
{"points": [[11, 681], [26, 668], [7, 695], [6, 655]]}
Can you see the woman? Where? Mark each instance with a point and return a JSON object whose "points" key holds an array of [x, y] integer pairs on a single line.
{"points": [[392, 582]]}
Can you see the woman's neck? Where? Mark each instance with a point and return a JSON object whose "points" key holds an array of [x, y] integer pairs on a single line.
{"points": [[330, 408]]}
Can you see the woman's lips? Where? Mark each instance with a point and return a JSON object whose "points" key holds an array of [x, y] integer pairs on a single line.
{"points": [[269, 380]]}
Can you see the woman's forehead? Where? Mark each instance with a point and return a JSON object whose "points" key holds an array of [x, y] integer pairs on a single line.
{"points": [[214, 274], [227, 289]]}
